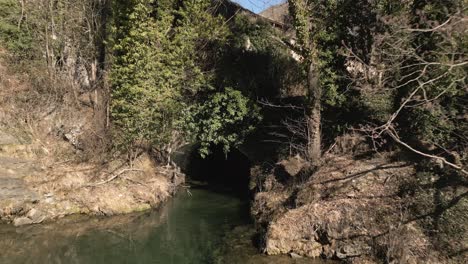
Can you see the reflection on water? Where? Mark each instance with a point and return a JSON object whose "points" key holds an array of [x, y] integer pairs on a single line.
{"points": [[188, 229]]}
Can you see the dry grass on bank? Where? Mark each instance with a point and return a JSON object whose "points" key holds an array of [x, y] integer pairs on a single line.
{"points": [[59, 129], [356, 210]]}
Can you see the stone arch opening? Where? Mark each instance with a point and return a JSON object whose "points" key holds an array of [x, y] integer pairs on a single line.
{"points": [[219, 170]]}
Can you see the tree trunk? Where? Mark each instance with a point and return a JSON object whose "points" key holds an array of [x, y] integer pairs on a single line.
{"points": [[314, 109], [103, 10]]}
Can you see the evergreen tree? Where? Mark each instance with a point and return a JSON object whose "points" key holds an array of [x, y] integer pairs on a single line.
{"points": [[318, 42], [135, 93], [160, 66]]}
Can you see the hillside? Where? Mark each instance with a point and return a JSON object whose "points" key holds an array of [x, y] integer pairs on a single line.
{"points": [[330, 129], [279, 13], [45, 172]]}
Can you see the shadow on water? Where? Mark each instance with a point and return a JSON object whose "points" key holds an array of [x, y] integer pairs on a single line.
{"points": [[220, 172], [187, 229], [229, 175]]}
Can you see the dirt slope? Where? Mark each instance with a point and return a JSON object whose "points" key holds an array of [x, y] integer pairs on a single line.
{"points": [[49, 161]]}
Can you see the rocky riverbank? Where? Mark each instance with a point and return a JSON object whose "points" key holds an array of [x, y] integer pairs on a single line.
{"points": [[54, 160], [361, 210], [34, 189]]}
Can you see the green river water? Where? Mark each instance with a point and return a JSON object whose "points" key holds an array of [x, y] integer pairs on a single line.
{"points": [[204, 227]]}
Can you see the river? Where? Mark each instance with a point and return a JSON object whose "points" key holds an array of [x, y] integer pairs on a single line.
{"points": [[197, 226]]}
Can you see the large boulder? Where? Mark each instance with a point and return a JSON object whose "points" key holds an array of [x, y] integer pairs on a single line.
{"points": [[293, 166], [34, 216]]}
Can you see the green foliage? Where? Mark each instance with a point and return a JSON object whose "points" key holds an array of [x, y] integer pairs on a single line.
{"points": [[15, 37], [437, 110], [158, 65], [260, 35], [134, 94], [417, 75], [255, 61], [224, 119], [320, 35], [379, 105]]}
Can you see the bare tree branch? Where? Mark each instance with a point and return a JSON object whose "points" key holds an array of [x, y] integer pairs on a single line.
{"points": [[392, 133]]}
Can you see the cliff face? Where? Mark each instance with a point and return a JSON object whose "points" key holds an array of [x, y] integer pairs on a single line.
{"points": [[278, 13]]}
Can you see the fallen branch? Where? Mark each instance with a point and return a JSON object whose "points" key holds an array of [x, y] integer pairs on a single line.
{"points": [[60, 163], [113, 177], [441, 159], [267, 103]]}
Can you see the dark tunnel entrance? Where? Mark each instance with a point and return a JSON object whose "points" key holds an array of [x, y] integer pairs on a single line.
{"points": [[219, 171]]}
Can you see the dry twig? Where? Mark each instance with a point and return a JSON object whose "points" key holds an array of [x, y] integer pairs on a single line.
{"points": [[113, 177]]}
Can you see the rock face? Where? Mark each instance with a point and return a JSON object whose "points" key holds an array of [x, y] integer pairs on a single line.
{"points": [[7, 139], [292, 167], [15, 194], [30, 194], [34, 216], [21, 221], [347, 209], [278, 13]]}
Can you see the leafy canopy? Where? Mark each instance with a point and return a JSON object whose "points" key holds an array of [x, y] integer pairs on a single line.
{"points": [[225, 118], [158, 65]]}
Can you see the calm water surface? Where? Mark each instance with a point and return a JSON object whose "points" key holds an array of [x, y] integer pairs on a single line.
{"points": [[204, 227]]}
